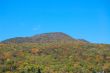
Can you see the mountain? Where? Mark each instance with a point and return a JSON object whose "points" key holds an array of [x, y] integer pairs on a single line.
{"points": [[42, 38], [54, 52]]}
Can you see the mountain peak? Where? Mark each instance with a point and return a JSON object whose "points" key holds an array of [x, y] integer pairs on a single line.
{"points": [[51, 37], [41, 38]]}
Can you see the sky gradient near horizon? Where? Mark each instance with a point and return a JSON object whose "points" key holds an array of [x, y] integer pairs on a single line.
{"points": [[85, 19]]}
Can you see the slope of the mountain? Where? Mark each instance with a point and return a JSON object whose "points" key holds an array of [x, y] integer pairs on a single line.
{"points": [[42, 38], [54, 58]]}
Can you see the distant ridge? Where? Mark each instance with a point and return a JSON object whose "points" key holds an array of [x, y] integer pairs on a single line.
{"points": [[42, 38], [84, 40]]}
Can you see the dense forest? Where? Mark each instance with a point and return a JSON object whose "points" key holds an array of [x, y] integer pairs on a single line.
{"points": [[61, 56]]}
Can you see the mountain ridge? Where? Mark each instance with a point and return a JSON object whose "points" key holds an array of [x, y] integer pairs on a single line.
{"points": [[43, 38]]}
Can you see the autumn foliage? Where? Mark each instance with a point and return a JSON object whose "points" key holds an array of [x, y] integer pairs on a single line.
{"points": [[60, 57]]}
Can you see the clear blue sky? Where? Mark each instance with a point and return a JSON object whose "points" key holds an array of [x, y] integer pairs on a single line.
{"points": [[87, 19]]}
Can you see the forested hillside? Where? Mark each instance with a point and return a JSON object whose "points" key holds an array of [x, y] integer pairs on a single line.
{"points": [[67, 56]]}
